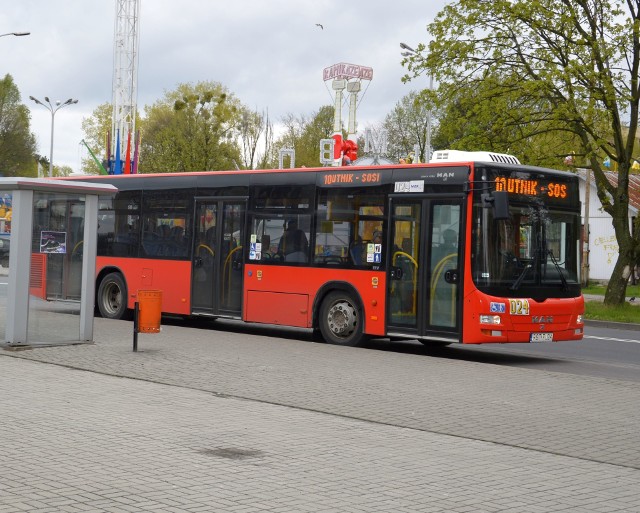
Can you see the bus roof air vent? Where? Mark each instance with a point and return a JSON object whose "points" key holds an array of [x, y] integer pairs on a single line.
{"points": [[472, 156]]}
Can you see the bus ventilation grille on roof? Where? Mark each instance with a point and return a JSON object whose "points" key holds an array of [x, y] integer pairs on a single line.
{"points": [[505, 159]]}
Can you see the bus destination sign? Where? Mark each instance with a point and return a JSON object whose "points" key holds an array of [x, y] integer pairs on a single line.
{"points": [[532, 187], [353, 178]]}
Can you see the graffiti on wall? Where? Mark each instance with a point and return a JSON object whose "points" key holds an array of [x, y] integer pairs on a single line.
{"points": [[609, 245]]}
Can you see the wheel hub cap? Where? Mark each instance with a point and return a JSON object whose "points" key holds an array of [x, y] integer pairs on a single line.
{"points": [[342, 319]]}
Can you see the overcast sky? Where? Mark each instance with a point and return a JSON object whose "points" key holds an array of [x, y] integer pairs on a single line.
{"points": [[269, 53]]}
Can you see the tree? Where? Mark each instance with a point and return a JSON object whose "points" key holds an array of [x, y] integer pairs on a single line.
{"points": [[96, 129], [17, 143], [406, 126], [303, 134], [471, 119], [254, 127], [191, 129], [575, 66]]}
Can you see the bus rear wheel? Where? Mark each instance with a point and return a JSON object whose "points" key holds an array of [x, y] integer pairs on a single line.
{"points": [[112, 297], [341, 320]]}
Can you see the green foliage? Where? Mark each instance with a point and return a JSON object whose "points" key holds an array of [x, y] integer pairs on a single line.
{"points": [[473, 118], [96, 129], [191, 129], [406, 125], [542, 67], [62, 170], [17, 143], [596, 310], [599, 290]]}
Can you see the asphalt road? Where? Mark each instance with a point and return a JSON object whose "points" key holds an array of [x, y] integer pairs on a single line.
{"points": [[604, 352]]}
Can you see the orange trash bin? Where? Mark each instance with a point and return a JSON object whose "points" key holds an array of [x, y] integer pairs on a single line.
{"points": [[149, 311]]}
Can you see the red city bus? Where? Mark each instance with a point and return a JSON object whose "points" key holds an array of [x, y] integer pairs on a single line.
{"points": [[454, 252]]}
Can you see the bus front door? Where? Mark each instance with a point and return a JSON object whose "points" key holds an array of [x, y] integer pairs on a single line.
{"points": [[424, 273], [217, 258]]}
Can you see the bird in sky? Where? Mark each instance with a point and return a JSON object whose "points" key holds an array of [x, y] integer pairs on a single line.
{"points": [[319, 25]]}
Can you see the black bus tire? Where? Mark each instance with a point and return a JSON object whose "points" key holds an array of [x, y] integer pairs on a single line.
{"points": [[341, 320], [112, 297]]}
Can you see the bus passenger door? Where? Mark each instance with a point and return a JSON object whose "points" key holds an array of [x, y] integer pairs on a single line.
{"points": [[424, 276], [217, 258]]}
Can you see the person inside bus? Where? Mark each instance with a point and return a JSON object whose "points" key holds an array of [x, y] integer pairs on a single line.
{"points": [[179, 240], [357, 251], [293, 243]]}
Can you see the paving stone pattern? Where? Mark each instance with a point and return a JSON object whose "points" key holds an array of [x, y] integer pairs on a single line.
{"points": [[208, 420]]}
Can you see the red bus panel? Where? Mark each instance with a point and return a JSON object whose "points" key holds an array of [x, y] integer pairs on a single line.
{"points": [[172, 277]]}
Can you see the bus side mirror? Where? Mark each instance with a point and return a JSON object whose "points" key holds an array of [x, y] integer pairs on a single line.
{"points": [[498, 201], [500, 205]]}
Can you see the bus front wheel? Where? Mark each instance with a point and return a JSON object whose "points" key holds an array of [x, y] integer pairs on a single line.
{"points": [[112, 297], [341, 320]]}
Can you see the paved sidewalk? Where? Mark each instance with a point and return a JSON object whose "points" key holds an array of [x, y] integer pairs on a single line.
{"points": [[208, 420]]}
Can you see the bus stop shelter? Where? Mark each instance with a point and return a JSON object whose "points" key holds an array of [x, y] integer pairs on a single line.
{"points": [[47, 293]]}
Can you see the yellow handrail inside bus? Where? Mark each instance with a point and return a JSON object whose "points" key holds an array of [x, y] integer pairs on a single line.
{"points": [[76, 247], [224, 272], [205, 247], [414, 279], [437, 272]]}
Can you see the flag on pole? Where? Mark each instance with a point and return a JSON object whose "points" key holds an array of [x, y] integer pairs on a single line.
{"points": [[108, 146], [136, 148], [118, 169], [127, 161]]}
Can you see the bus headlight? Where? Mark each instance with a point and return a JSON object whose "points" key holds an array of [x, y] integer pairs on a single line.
{"points": [[489, 319], [579, 319]]}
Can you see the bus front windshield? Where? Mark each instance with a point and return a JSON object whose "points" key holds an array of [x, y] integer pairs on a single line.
{"points": [[533, 253]]}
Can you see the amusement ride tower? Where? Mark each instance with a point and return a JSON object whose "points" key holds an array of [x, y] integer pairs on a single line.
{"points": [[123, 138]]}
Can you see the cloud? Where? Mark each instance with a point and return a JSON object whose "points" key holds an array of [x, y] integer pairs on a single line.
{"points": [[269, 54]]}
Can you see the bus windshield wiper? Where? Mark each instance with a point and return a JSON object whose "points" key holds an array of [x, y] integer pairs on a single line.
{"points": [[525, 271], [565, 285], [521, 277]]}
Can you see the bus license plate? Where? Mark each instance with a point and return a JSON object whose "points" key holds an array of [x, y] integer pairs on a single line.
{"points": [[541, 337]]}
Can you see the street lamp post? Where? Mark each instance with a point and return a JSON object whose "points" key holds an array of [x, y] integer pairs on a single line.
{"points": [[410, 52], [53, 109]]}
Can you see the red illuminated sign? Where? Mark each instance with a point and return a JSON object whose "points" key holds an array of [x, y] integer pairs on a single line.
{"points": [[531, 187], [351, 178]]}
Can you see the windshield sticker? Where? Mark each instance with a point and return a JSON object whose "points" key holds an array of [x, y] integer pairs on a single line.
{"points": [[255, 251], [497, 308], [519, 306]]}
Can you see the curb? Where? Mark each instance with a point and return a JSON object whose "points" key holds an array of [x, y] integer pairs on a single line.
{"points": [[612, 325]]}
